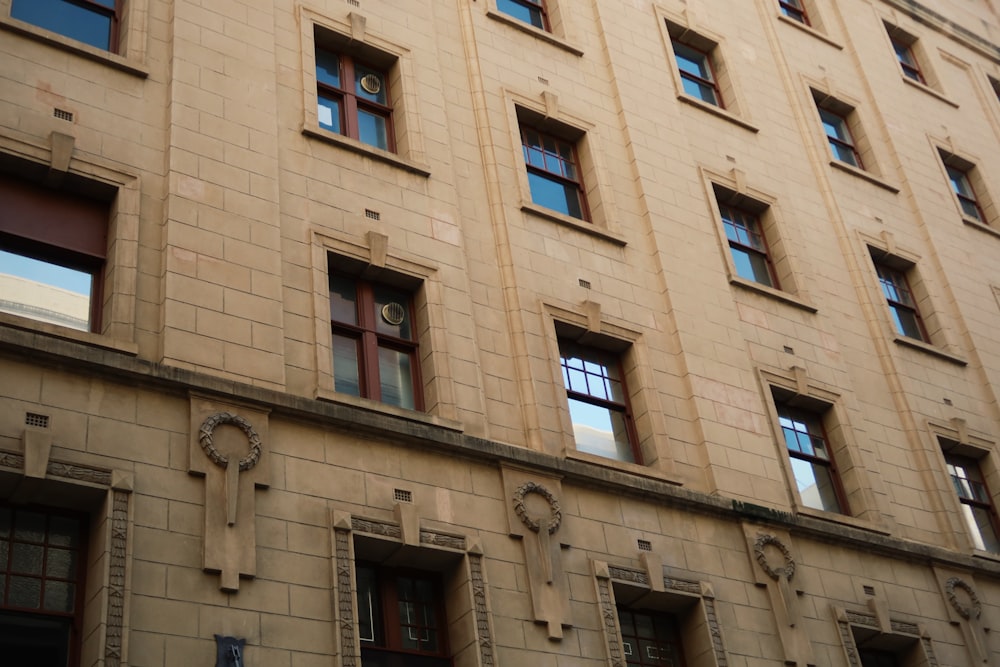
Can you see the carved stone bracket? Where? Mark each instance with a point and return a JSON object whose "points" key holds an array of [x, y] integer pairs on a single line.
{"points": [[535, 516], [227, 448], [775, 567]]}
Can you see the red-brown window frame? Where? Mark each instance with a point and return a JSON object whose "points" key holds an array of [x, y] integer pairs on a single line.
{"points": [[97, 8], [674, 639], [351, 102], [814, 420], [385, 579], [795, 10], [965, 199], [907, 59], [765, 253], [371, 340], [58, 228], [712, 83], [552, 175], [901, 283], [80, 580], [539, 6], [849, 143], [968, 462]]}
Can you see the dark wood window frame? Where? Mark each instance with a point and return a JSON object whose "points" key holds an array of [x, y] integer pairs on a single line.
{"points": [[736, 218], [815, 430], [907, 59], [664, 638], [350, 102], [895, 285], [705, 57], [388, 624], [371, 340], [969, 200], [534, 8], [967, 494], [57, 228], [837, 142], [113, 13], [795, 10], [533, 141], [8, 545], [594, 357]]}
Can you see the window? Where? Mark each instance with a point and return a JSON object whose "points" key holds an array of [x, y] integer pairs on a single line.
{"points": [[872, 658], [531, 12], [554, 173], [902, 305], [908, 61], [401, 618], [650, 638], [697, 74], [598, 402], [995, 85], [966, 195], [93, 22], [747, 245], [353, 99], [374, 342], [838, 134], [976, 502], [52, 253], [813, 466], [795, 10], [42, 567]]}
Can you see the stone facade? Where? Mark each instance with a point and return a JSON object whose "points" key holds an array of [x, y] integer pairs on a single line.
{"points": [[230, 489]]}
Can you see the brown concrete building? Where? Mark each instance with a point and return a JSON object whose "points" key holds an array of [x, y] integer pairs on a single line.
{"points": [[499, 333]]}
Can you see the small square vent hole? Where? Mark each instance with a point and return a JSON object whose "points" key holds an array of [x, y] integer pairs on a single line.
{"points": [[35, 419], [645, 545], [402, 496]]}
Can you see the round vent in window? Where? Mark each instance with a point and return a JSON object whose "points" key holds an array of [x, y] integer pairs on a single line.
{"points": [[371, 84], [393, 313]]}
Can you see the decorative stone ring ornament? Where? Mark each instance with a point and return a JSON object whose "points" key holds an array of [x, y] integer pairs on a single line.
{"points": [[551, 525], [205, 434], [973, 609], [787, 571], [522, 512]]}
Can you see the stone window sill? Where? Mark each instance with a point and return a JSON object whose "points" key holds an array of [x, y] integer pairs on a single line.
{"points": [[55, 331], [534, 32], [930, 349], [622, 466], [360, 148], [716, 111], [570, 221], [842, 519], [865, 175], [330, 396], [73, 46], [975, 224], [809, 30], [773, 293], [930, 91]]}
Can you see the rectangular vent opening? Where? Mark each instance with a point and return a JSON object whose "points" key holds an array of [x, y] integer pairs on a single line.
{"points": [[584, 283], [62, 114], [870, 590], [645, 545], [354, 3], [402, 496], [35, 419], [374, 215], [789, 349]]}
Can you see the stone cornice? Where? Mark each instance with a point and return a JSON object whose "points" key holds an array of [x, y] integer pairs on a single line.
{"points": [[930, 18], [31, 347]]}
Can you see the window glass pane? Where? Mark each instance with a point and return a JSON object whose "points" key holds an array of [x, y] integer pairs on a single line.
{"points": [[63, 531], [601, 431], [522, 11], [4, 549], [327, 68], [369, 84], [29, 527], [844, 153], [27, 558], [45, 291], [815, 485], [60, 563], [692, 62], [372, 130], [980, 524], [833, 124], [25, 592], [392, 306], [67, 18], [906, 323], [345, 365], [369, 612], [555, 195], [328, 113], [59, 596], [343, 299], [5, 522], [751, 265], [396, 377]]}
